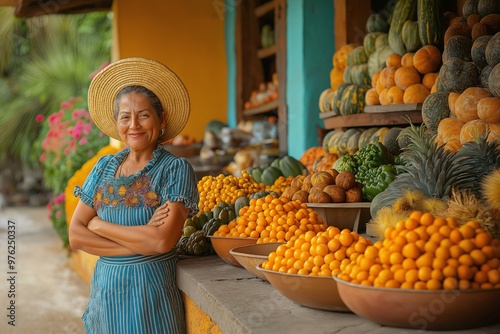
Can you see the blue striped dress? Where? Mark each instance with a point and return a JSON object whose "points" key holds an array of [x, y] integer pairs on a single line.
{"points": [[137, 293]]}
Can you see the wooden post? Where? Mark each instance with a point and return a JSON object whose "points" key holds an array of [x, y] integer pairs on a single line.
{"points": [[350, 21]]}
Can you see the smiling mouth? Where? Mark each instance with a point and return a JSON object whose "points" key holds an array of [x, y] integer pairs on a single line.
{"points": [[135, 134]]}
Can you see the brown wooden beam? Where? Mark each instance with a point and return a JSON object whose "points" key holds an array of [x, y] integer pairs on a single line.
{"points": [[31, 8]]}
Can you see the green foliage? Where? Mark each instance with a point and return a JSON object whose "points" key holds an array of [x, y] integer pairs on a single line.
{"points": [[48, 61]]}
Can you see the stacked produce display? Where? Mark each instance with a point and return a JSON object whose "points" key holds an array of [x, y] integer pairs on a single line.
{"points": [[433, 188]]}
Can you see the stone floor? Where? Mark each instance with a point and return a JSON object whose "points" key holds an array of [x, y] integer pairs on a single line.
{"points": [[49, 296]]}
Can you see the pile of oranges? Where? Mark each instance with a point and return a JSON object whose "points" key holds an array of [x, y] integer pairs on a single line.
{"points": [[432, 253], [272, 219], [325, 253]]}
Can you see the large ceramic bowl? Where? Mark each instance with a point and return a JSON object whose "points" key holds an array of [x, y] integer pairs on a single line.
{"points": [[352, 216], [422, 309], [318, 292], [250, 256], [222, 246]]}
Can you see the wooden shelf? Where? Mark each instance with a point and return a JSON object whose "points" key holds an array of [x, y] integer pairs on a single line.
{"points": [[263, 109], [371, 119], [266, 52], [264, 9]]}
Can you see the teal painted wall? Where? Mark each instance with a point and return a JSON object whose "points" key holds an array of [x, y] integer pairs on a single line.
{"points": [[310, 48], [230, 32]]}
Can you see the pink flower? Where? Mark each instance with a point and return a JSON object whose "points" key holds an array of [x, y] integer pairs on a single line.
{"points": [[66, 105], [39, 118], [59, 199]]}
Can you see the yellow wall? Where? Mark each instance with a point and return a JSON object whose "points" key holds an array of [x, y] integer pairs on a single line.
{"points": [[188, 37]]}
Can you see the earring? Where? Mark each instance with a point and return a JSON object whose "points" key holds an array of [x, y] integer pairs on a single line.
{"points": [[162, 132]]}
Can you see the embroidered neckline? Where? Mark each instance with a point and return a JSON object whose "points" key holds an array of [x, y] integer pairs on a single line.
{"points": [[120, 158]]}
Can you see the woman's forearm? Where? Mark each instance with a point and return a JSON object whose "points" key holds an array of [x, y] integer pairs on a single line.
{"points": [[145, 239]]}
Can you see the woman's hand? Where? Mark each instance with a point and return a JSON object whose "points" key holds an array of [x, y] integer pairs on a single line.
{"points": [[160, 215]]}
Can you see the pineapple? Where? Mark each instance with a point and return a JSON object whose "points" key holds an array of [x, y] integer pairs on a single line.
{"points": [[438, 173]]}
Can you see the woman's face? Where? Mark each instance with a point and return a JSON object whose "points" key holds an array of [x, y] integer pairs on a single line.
{"points": [[137, 123]]}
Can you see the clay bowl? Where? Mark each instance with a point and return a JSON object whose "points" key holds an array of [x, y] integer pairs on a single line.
{"points": [[222, 246], [318, 292], [422, 309], [250, 256]]}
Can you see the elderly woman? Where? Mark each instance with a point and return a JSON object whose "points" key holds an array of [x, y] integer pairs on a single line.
{"points": [[133, 204]]}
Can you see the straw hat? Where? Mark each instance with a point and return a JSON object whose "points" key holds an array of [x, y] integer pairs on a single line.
{"points": [[148, 73]]}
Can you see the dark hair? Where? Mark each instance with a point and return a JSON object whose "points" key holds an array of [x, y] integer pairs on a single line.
{"points": [[153, 99]]}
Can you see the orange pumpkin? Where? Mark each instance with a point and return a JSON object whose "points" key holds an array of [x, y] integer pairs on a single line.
{"points": [[371, 97], [427, 59], [336, 77], [415, 94], [406, 77], [379, 87], [395, 95], [449, 129], [375, 79], [453, 145], [394, 59], [407, 59], [339, 57], [471, 130], [494, 129], [429, 79], [387, 76], [383, 97], [452, 98], [488, 109], [466, 103]]}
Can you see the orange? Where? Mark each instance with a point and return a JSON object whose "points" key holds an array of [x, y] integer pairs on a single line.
{"points": [[411, 276], [371, 252], [384, 256], [366, 263], [455, 251], [392, 283], [424, 260], [455, 236], [417, 215], [445, 230], [424, 274], [375, 270], [480, 277], [467, 245], [478, 256], [464, 284], [333, 245], [400, 275], [396, 258], [450, 283], [466, 259], [426, 219], [464, 272], [483, 239], [438, 263], [412, 236], [436, 237], [419, 285], [433, 284], [437, 274], [410, 250], [411, 224], [409, 263], [449, 271], [431, 246], [467, 231], [442, 253], [493, 276]]}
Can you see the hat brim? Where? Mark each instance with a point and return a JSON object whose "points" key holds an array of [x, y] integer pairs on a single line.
{"points": [[148, 73]]}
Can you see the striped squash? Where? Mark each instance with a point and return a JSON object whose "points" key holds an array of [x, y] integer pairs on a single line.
{"points": [[430, 22], [353, 100], [403, 11]]}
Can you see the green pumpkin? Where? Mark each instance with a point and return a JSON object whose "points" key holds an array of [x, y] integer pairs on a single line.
{"points": [[381, 41], [353, 100], [365, 137], [410, 36], [430, 22], [360, 75], [357, 56], [369, 42], [403, 11], [333, 143], [376, 22], [337, 99], [434, 109]]}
